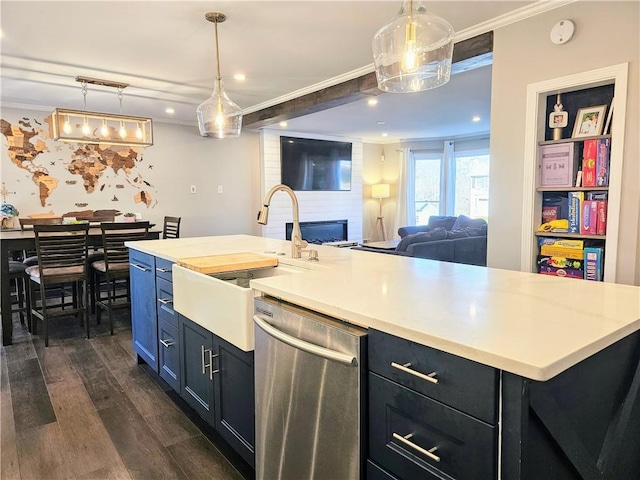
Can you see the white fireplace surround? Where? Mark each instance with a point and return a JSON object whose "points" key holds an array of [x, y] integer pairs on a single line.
{"points": [[314, 206]]}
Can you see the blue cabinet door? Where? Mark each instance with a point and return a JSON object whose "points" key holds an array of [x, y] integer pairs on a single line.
{"points": [[169, 353], [196, 368], [234, 397], [143, 307]]}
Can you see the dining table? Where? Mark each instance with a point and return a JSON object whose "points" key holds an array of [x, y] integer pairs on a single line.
{"points": [[21, 240]]}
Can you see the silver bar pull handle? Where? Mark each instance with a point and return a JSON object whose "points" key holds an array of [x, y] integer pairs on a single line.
{"points": [[211, 370], [163, 270], [165, 301], [204, 366], [428, 453], [166, 343], [139, 267], [326, 353], [405, 368]]}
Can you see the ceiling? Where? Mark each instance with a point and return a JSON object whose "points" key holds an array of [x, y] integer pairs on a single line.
{"points": [[166, 52]]}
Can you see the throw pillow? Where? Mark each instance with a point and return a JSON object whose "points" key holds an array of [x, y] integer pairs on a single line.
{"points": [[463, 221], [431, 236], [440, 221], [457, 233]]}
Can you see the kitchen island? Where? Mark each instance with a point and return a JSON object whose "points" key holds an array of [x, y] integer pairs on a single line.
{"points": [[562, 355]]}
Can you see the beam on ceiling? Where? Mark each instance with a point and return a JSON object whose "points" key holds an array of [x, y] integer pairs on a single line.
{"points": [[468, 54]]}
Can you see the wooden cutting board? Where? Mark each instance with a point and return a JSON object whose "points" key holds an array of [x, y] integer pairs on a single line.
{"points": [[228, 262]]}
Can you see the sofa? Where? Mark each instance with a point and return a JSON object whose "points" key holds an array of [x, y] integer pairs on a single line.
{"points": [[449, 239]]}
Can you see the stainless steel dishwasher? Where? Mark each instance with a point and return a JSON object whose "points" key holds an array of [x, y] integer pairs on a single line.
{"points": [[309, 386]]}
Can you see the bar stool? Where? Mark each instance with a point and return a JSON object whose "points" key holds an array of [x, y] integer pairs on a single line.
{"points": [[115, 266], [62, 254], [19, 278]]}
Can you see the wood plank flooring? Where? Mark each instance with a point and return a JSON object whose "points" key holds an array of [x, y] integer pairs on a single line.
{"points": [[83, 409]]}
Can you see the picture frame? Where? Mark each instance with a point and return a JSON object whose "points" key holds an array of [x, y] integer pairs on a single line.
{"points": [[558, 119], [589, 121]]}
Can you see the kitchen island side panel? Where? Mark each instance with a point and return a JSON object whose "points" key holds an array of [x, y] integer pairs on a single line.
{"points": [[582, 424]]}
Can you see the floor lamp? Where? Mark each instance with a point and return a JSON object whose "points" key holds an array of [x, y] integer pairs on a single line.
{"points": [[380, 191]]}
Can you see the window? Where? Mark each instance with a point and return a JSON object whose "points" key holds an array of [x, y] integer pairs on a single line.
{"points": [[451, 183]]}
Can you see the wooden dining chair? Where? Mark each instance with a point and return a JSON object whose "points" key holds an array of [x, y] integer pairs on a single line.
{"points": [[115, 265], [171, 227], [62, 252]]}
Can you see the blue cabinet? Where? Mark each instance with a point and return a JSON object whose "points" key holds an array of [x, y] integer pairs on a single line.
{"points": [[169, 353], [217, 381], [196, 373], [144, 323]]}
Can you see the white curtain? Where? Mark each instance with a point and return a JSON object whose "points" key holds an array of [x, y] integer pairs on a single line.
{"points": [[406, 208]]}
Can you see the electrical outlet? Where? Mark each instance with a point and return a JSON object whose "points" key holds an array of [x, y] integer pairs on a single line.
{"points": [[220, 189], [193, 189]]}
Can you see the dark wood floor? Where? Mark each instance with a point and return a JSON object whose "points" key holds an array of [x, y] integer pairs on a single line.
{"points": [[83, 409]]}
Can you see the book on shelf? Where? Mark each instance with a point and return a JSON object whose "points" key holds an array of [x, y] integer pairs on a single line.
{"points": [[601, 224], [558, 165], [562, 252], [589, 218], [575, 211], [593, 263], [596, 196], [589, 153], [603, 151]]}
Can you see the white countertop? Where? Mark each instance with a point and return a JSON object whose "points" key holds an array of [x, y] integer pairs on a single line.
{"points": [[532, 325]]}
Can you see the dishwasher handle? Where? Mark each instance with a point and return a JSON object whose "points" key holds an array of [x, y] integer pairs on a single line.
{"points": [[326, 353]]}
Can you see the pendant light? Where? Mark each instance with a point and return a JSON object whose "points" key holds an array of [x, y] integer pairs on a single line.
{"points": [[218, 116], [413, 52]]}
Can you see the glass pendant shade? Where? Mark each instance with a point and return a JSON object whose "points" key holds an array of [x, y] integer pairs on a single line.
{"points": [[413, 52], [218, 116]]}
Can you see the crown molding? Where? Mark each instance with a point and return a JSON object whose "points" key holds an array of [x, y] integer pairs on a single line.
{"points": [[509, 18]]}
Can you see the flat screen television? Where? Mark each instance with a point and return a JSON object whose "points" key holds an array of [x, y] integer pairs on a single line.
{"points": [[308, 164]]}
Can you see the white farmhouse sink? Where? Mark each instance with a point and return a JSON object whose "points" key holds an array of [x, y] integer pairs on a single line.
{"points": [[223, 305]]}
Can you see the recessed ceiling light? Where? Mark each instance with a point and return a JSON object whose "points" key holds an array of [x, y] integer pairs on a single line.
{"points": [[372, 102], [283, 124], [381, 122], [385, 134], [475, 119], [170, 111], [240, 77]]}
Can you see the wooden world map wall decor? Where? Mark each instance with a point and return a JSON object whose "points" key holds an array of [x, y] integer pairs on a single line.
{"points": [[29, 140]]}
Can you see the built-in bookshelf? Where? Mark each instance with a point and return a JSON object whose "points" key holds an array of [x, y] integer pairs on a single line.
{"points": [[577, 92]]}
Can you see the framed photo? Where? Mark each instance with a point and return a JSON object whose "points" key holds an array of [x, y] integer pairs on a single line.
{"points": [[558, 119], [589, 121]]}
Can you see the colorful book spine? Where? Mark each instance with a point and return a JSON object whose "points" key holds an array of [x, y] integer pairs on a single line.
{"points": [[589, 154], [593, 263], [575, 210], [589, 219], [601, 225], [561, 242], [602, 162]]}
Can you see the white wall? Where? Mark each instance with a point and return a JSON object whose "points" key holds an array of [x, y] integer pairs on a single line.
{"points": [[314, 206], [180, 157], [607, 33]]}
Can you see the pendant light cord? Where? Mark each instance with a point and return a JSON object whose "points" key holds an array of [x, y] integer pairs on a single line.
{"points": [[217, 51]]}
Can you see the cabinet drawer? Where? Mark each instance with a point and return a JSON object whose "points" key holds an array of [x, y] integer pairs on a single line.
{"points": [[375, 472], [164, 295], [169, 353], [466, 447], [142, 261], [461, 383], [163, 268]]}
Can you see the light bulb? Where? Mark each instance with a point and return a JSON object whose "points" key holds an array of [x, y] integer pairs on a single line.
{"points": [[123, 131], [139, 133], [86, 130], [104, 131], [66, 128], [409, 56]]}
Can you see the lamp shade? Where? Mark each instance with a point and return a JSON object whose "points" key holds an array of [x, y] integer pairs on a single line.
{"points": [[413, 52], [380, 190], [218, 116]]}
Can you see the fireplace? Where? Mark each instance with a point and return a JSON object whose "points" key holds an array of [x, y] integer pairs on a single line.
{"points": [[320, 232]]}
